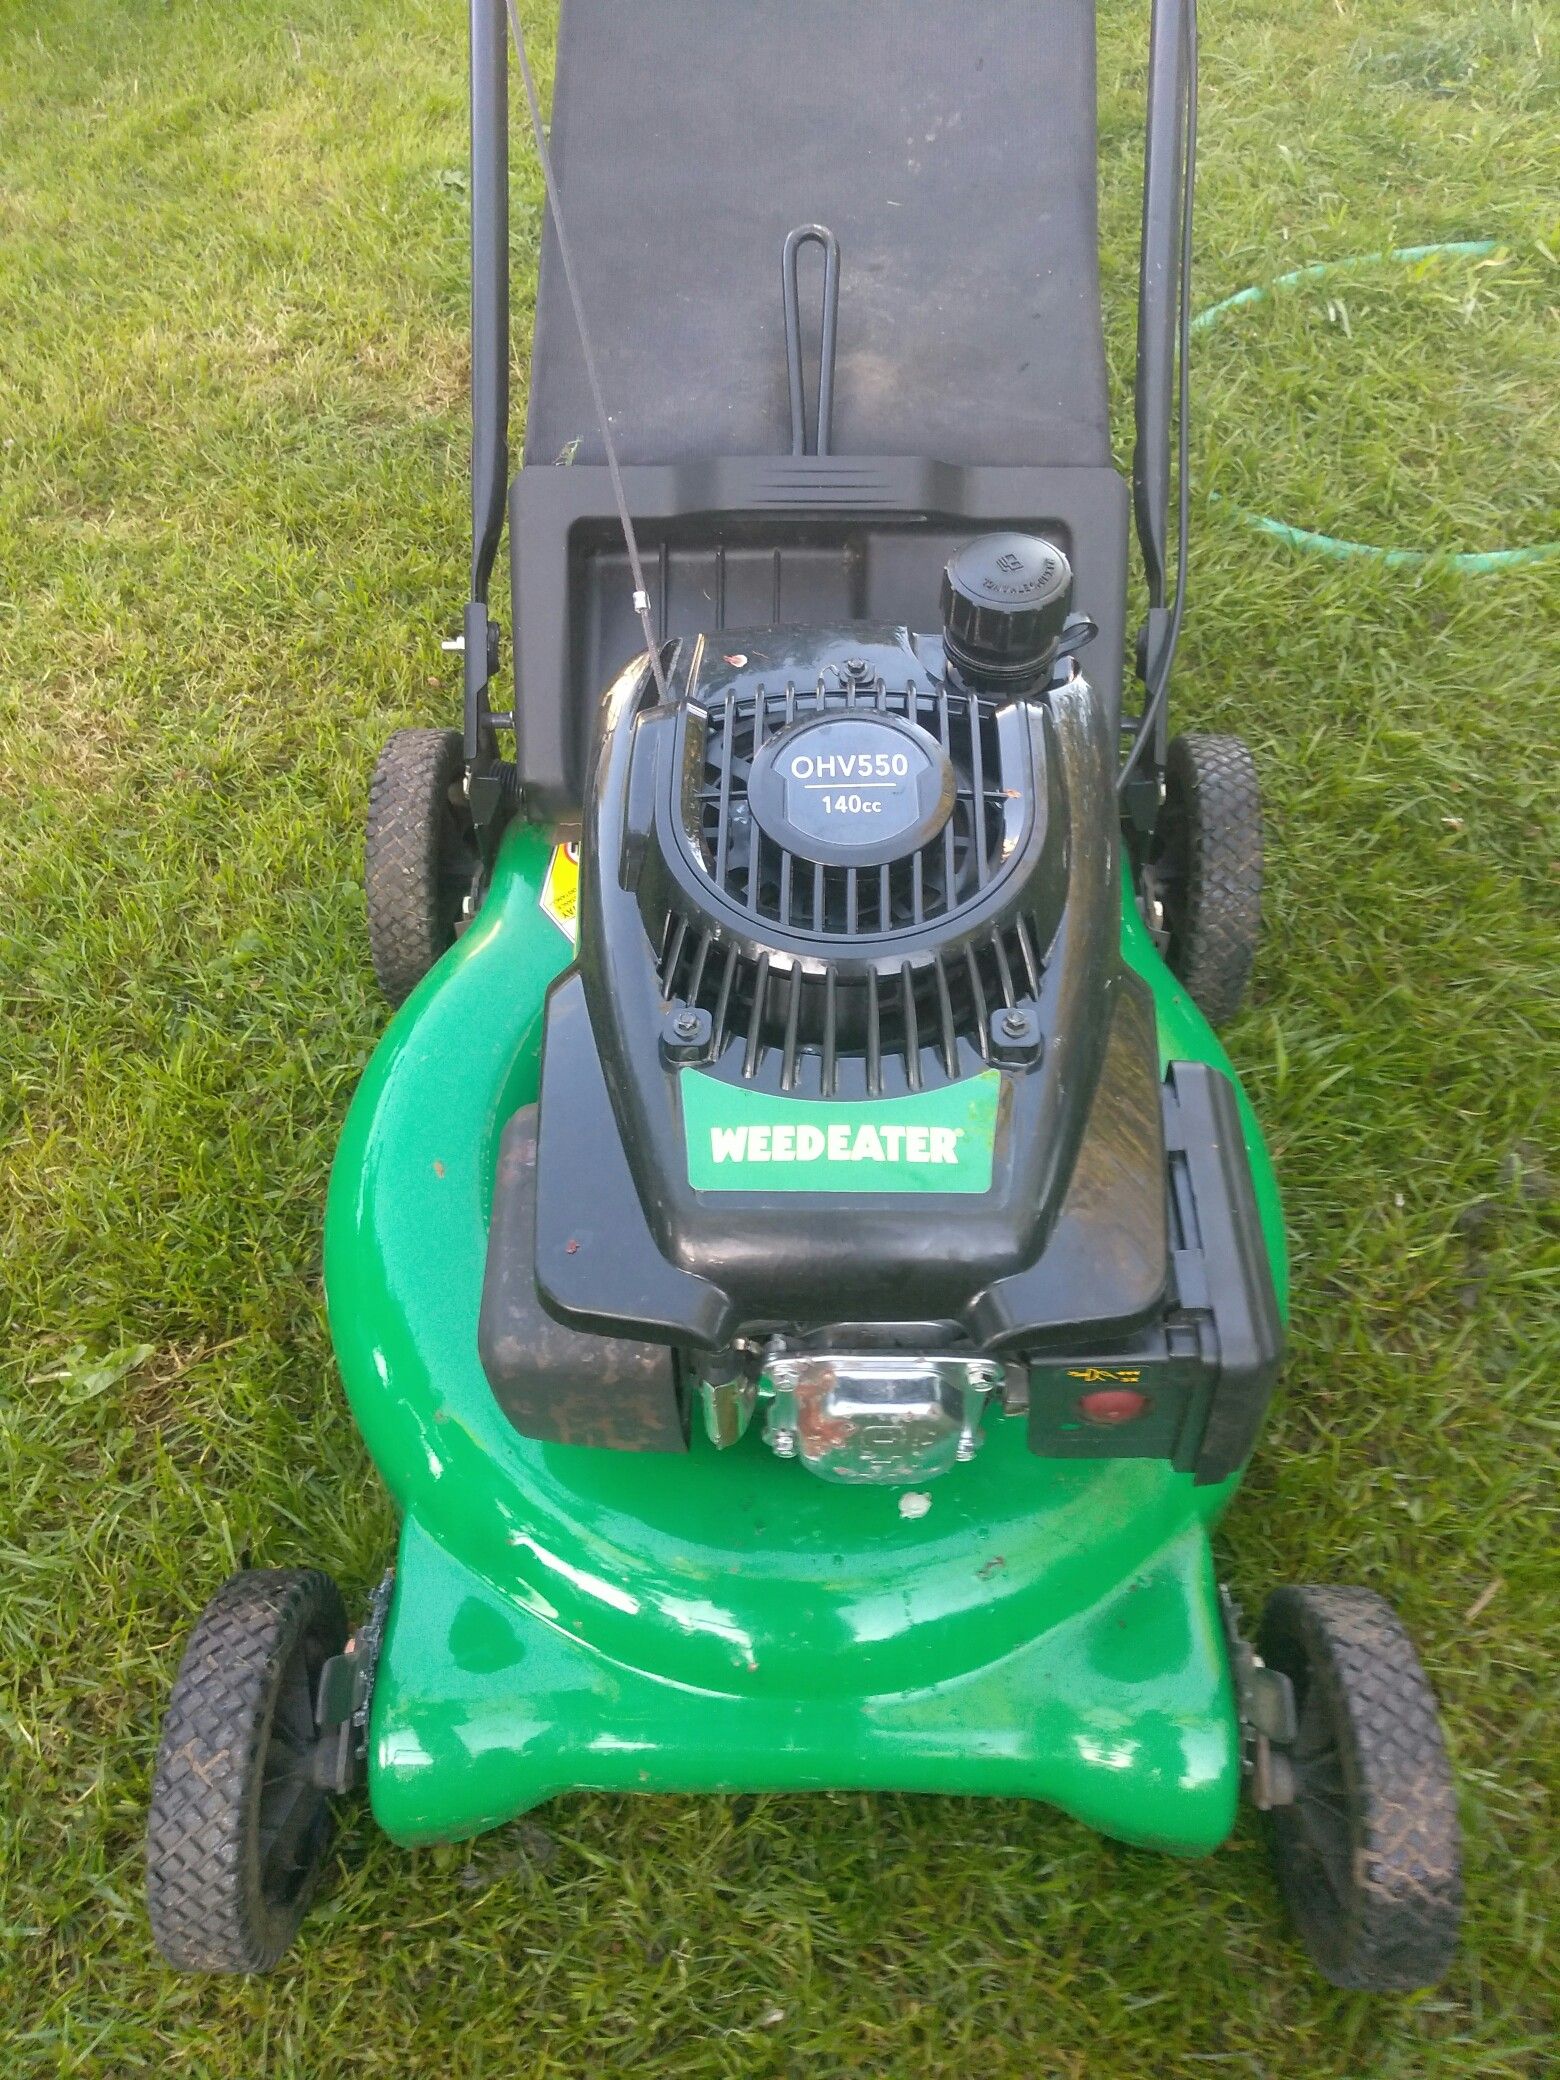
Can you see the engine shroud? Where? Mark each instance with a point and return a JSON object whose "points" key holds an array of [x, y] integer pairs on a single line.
{"points": [[834, 1066], [850, 872]]}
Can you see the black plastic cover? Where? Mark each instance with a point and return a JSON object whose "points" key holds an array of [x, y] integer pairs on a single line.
{"points": [[949, 144], [851, 789], [553, 1382], [661, 927], [1207, 1367]]}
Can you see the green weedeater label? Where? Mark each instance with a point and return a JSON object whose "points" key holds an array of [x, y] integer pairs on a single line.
{"points": [[741, 1140]]}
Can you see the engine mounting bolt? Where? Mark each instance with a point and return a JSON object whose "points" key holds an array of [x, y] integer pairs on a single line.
{"points": [[686, 1035], [1015, 1036]]}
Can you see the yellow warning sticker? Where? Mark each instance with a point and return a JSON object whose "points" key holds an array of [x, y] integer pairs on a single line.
{"points": [[561, 891], [1119, 1375]]}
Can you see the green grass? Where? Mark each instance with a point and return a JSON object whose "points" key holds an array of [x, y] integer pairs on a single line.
{"points": [[1368, 463], [231, 532]]}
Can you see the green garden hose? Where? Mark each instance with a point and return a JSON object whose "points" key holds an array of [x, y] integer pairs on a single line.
{"points": [[1475, 562]]}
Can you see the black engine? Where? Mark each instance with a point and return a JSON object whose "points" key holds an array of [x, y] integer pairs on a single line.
{"points": [[850, 1097]]}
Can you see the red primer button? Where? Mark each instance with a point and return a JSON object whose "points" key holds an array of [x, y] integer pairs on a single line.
{"points": [[1112, 1405]]}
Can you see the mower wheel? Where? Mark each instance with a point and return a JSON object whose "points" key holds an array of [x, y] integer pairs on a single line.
{"points": [[1369, 1854], [1204, 873], [239, 1826], [420, 859]]}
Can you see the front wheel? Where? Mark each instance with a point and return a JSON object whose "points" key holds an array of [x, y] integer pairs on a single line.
{"points": [[240, 1823], [420, 859], [1368, 1854]]}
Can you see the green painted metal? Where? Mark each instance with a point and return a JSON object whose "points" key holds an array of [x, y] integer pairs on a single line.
{"points": [[570, 1618]]}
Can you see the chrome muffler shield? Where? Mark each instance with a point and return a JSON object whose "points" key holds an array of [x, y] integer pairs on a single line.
{"points": [[883, 1416]]}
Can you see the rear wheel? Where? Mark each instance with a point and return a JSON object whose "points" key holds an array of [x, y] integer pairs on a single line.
{"points": [[239, 1826], [1204, 874], [1368, 1854], [420, 861]]}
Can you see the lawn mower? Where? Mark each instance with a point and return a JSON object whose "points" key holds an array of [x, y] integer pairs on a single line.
{"points": [[799, 1256]]}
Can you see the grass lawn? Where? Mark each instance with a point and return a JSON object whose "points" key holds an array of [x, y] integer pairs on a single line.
{"points": [[232, 441]]}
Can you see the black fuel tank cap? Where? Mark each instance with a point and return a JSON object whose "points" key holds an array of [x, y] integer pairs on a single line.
{"points": [[1005, 601]]}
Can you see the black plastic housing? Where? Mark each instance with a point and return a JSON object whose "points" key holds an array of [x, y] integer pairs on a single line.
{"points": [[551, 1381], [1207, 1365], [1119, 1240], [1036, 934]]}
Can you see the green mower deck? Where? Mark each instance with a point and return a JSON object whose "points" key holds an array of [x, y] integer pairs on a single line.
{"points": [[569, 1619]]}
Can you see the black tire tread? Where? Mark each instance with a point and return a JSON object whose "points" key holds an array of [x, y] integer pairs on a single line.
{"points": [[1405, 1897], [206, 1911], [1221, 913], [401, 855]]}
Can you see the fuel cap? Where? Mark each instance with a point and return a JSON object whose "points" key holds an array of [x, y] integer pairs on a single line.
{"points": [[1005, 600]]}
